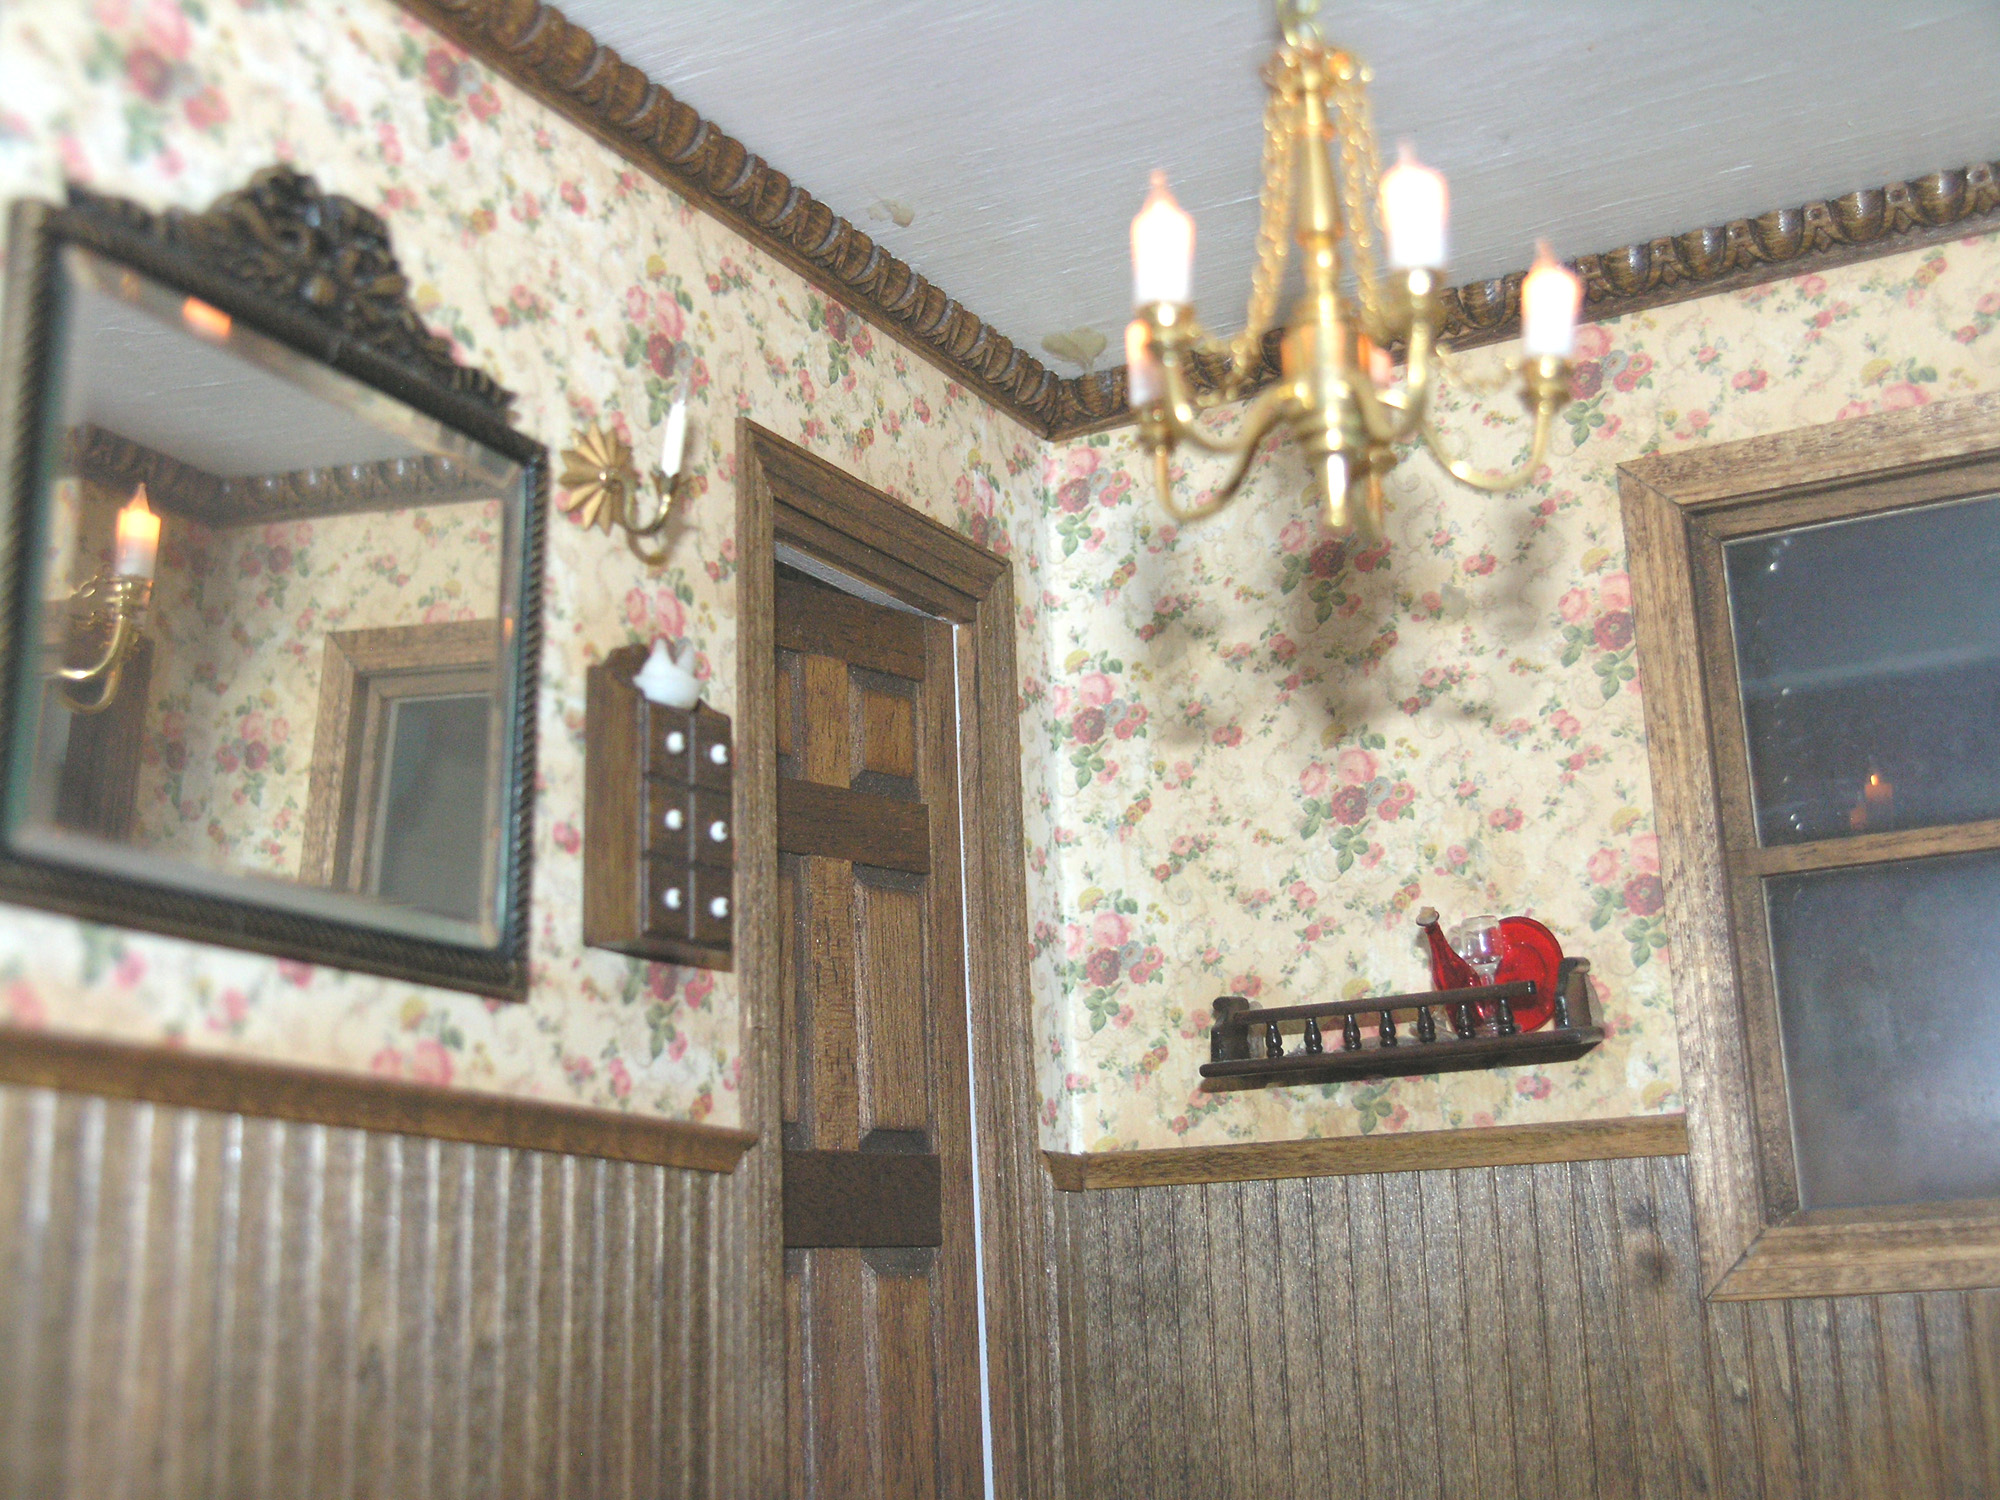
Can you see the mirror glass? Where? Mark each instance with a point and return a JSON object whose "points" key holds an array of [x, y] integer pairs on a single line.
{"points": [[272, 610]]}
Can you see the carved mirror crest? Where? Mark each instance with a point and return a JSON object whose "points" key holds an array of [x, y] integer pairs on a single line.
{"points": [[271, 575]]}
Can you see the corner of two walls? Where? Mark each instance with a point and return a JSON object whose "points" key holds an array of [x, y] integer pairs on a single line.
{"points": [[594, 294], [1248, 753], [1270, 749]]}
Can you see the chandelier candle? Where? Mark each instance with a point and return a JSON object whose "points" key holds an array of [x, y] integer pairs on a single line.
{"points": [[1334, 391], [1142, 370], [1413, 214], [1162, 248], [1550, 294]]}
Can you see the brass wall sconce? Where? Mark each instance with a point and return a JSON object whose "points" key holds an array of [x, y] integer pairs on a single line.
{"points": [[112, 607], [604, 484]]}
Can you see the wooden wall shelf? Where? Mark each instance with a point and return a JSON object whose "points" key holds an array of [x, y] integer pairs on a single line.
{"points": [[1444, 1036]]}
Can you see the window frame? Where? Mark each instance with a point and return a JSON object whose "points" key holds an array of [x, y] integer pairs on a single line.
{"points": [[1679, 510]]}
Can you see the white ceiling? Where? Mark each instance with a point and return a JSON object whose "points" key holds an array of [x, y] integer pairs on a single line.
{"points": [[247, 408], [1020, 134]]}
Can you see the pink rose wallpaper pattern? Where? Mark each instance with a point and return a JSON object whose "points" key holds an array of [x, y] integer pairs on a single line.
{"points": [[1249, 752], [1269, 748], [594, 295], [239, 622]]}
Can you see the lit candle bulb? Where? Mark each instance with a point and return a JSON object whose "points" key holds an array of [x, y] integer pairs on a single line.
{"points": [[1550, 297], [673, 443], [1413, 213], [138, 546], [1162, 248], [1144, 379]]}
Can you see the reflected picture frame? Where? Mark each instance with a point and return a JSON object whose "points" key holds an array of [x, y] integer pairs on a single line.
{"points": [[314, 273]]}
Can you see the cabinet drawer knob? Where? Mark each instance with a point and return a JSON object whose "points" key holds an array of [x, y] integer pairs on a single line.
{"points": [[719, 907], [676, 742], [675, 819], [671, 898], [718, 754], [718, 831]]}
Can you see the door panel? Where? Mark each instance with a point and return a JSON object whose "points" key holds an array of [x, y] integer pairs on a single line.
{"points": [[880, 1309]]}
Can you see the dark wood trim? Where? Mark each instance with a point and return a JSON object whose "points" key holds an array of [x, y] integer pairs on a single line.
{"points": [[564, 66], [1676, 508], [785, 494], [357, 1101], [1345, 1156], [886, 832], [863, 1198]]}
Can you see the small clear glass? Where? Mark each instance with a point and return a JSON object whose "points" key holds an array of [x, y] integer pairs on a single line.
{"points": [[1482, 945]]}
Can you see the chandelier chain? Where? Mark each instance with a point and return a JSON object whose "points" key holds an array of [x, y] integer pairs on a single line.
{"points": [[1246, 350], [1360, 189]]}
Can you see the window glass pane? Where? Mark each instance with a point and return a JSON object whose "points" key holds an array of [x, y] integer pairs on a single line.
{"points": [[434, 804], [1869, 657], [1889, 1002]]}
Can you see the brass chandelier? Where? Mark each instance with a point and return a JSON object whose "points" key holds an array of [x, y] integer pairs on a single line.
{"points": [[1334, 388]]}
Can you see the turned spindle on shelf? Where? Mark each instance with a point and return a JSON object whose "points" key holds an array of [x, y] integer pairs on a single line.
{"points": [[1485, 1033]]}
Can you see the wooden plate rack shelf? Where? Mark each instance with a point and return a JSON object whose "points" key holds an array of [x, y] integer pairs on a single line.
{"points": [[1367, 1039]]}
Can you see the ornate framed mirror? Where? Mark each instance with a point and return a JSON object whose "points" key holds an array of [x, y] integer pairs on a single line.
{"points": [[269, 592]]}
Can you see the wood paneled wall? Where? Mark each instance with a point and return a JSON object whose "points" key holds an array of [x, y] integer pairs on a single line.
{"points": [[204, 1305], [1510, 1333]]}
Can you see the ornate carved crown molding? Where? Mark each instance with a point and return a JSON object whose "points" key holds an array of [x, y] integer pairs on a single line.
{"points": [[564, 66], [179, 488], [318, 253]]}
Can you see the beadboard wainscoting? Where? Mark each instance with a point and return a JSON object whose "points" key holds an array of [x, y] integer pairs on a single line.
{"points": [[1508, 1331], [204, 1305]]}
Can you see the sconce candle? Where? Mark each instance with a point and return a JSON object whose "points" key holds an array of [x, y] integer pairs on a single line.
{"points": [[1413, 214], [673, 444], [138, 544], [1550, 296], [1162, 248]]}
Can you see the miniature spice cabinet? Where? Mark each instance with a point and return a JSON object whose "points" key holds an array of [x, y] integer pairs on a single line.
{"points": [[659, 841]]}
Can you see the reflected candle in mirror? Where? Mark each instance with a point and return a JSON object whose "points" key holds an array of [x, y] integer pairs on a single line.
{"points": [[138, 546], [1877, 807]]}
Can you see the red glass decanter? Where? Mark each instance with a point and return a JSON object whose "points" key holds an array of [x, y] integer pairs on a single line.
{"points": [[1448, 970]]}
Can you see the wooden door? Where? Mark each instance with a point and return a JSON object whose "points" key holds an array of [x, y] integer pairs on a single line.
{"points": [[880, 1294]]}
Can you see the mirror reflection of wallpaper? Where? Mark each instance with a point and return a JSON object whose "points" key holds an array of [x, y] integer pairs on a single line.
{"points": [[240, 620]]}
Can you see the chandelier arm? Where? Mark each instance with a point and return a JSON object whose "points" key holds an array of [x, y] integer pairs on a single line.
{"points": [[1412, 403], [1180, 411], [1494, 484], [1263, 417]]}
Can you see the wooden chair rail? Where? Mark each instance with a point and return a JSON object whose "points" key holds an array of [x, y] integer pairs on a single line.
{"points": [[251, 1086]]}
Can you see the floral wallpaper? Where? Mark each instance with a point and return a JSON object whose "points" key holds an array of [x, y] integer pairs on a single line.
{"points": [[1250, 753], [239, 627], [592, 293], [1269, 749]]}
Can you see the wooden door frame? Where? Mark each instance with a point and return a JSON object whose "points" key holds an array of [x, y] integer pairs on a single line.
{"points": [[785, 494]]}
